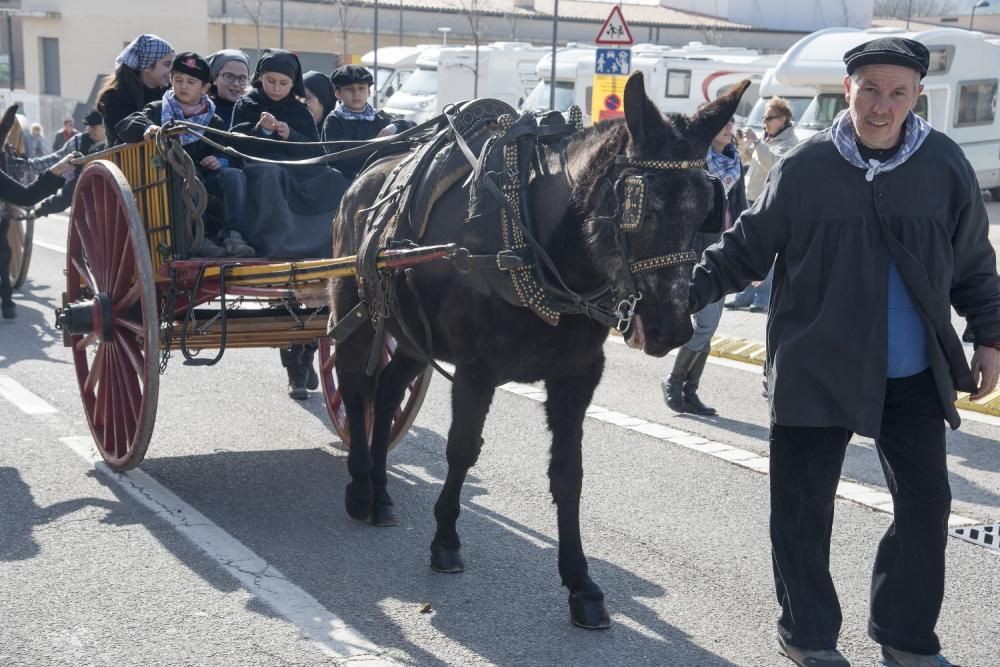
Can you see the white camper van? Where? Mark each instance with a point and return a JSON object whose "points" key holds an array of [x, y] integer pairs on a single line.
{"points": [[566, 61], [446, 74], [395, 64], [679, 80], [960, 89], [415, 98], [506, 72]]}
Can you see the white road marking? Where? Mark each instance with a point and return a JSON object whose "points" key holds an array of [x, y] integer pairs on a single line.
{"points": [[48, 246], [331, 635], [874, 498], [22, 399]]}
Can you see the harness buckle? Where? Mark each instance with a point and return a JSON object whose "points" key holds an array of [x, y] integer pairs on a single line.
{"points": [[625, 311], [508, 261]]}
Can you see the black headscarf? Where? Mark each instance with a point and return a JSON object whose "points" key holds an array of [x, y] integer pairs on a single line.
{"points": [[282, 62], [320, 86]]}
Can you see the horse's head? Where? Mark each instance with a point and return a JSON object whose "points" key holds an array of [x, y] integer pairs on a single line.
{"points": [[663, 195]]}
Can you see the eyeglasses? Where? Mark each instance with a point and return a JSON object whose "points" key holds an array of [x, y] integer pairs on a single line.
{"points": [[767, 118], [229, 77]]}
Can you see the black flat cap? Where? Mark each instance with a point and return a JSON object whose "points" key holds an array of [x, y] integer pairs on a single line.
{"points": [[93, 118], [193, 65], [350, 74], [889, 51]]}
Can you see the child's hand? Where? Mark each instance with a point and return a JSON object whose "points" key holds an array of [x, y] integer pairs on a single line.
{"points": [[150, 131], [211, 163], [387, 131], [282, 129], [267, 122]]}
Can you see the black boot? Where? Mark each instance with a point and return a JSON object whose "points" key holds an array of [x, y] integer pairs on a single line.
{"points": [[9, 309], [296, 373], [673, 386], [692, 403], [306, 361]]}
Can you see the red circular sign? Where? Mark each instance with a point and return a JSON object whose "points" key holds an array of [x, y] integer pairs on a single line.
{"points": [[612, 102]]}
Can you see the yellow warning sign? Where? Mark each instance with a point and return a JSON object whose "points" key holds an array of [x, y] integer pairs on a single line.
{"points": [[608, 98]]}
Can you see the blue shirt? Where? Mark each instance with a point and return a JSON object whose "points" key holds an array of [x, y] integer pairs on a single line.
{"points": [[907, 338]]}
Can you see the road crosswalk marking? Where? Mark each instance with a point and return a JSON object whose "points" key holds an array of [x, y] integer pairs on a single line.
{"points": [[19, 396]]}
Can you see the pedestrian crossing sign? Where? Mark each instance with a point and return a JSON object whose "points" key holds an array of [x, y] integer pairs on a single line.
{"points": [[615, 30]]}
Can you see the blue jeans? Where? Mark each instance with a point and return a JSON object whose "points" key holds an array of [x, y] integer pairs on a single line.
{"points": [[759, 296], [229, 187], [705, 322]]}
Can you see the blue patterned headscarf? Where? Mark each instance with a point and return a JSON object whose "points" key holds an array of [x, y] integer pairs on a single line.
{"points": [[725, 166], [845, 140], [143, 52]]}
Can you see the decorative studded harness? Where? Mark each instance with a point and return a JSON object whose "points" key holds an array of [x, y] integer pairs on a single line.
{"points": [[522, 261]]}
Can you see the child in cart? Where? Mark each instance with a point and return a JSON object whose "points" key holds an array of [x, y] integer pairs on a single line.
{"points": [[353, 118], [188, 100]]}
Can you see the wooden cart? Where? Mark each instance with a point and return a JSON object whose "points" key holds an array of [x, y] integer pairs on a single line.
{"points": [[133, 296]]}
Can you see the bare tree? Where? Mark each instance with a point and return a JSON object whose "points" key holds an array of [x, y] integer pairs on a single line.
{"points": [[347, 18], [472, 11], [256, 16], [904, 9]]}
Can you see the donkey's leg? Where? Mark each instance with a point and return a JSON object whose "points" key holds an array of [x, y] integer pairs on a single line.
{"points": [[471, 395], [568, 398], [392, 384], [357, 391]]}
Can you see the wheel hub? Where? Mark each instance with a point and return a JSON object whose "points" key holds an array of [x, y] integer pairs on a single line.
{"points": [[86, 317]]}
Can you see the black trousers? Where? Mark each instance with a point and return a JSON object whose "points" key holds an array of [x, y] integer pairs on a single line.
{"points": [[6, 288], [907, 584]]}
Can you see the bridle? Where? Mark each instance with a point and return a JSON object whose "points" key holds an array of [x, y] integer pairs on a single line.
{"points": [[629, 212]]}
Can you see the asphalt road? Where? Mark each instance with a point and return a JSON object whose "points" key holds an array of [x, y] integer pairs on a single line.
{"points": [[230, 546]]}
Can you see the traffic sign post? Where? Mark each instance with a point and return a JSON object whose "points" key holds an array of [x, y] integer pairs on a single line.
{"points": [[612, 65]]}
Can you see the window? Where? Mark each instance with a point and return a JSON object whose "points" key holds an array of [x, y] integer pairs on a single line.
{"points": [[822, 110], [977, 103], [49, 47], [921, 108], [940, 59], [678, 83]]}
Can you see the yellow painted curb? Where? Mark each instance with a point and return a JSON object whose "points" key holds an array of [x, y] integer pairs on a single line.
{"points": [[753, 352]]}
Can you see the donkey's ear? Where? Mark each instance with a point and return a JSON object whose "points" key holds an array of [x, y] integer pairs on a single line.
{"points": [[645, 122], [711, 118]]}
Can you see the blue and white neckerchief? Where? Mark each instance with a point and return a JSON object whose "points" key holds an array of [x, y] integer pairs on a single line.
{"points": [[845, 140], [725, 166], [172, 110], [368, 113]]}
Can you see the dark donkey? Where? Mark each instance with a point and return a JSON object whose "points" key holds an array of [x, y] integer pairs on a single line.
{"points": [[491, 342]]}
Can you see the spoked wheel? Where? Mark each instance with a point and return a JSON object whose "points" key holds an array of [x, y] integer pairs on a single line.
{"points": [[19, 237], [405, 413], [109, 315]]}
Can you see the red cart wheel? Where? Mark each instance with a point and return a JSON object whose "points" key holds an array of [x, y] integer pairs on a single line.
{"points": [[19, 238], [109, 315], [405, 413]]}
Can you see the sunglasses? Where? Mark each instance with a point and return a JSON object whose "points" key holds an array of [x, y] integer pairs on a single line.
{"points": [[229, 77], [767, 118]]}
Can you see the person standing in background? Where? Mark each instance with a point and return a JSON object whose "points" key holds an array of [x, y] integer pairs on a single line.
{"points": [[67, 132]]}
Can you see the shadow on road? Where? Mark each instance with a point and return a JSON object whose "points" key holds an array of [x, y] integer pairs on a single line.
{"points": [[507, 607]]}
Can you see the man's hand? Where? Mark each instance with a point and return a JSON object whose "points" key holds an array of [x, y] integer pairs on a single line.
{"points": [[61, 167], [985, 370], [150, 131], [211, 163]]}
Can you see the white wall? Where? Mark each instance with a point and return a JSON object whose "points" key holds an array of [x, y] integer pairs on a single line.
{"points": [[92, 32], [807, 15]]}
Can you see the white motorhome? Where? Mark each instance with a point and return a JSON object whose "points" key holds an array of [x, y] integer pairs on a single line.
{"points": [[504, 71], [959, 96], [415, 98], [679, 80], [448, 74], [566, 60], [798, 97], [395, 65]]}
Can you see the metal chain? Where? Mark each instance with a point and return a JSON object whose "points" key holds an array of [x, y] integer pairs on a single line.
{"points": [[167, 321]]}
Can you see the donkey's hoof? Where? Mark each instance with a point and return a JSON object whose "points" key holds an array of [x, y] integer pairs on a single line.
{"points": [[383, 515], [358, 502], [587, 610], [444, 559]]}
